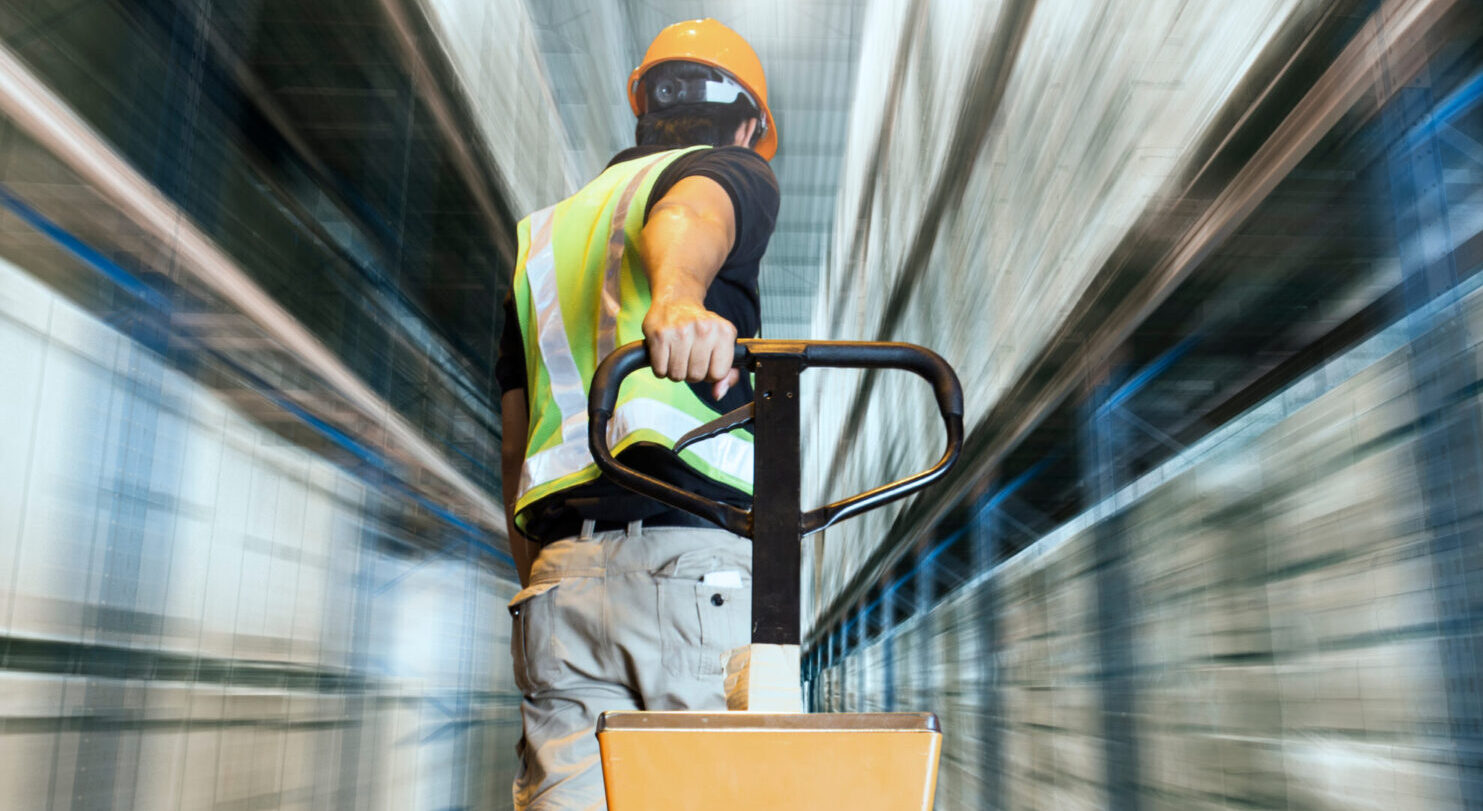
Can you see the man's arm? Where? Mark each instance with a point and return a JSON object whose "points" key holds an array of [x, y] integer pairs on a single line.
{"points": [[689, 233], [514, 419]]}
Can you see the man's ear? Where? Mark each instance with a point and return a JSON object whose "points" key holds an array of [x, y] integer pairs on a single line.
{"points": [[744, 133]]}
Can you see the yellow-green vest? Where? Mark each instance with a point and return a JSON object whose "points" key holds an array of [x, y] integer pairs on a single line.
{"points": [[580, 291]]}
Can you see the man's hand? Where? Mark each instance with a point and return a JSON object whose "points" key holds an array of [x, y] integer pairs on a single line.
{"points": [[689, 233], [688, 342]]}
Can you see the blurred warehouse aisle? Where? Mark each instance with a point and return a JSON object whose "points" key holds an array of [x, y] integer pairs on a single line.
{"points": [[1217, 540], [250, 559], [1207, 272]]}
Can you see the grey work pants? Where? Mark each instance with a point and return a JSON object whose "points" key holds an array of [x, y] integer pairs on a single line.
{"points": [[626, 620]]}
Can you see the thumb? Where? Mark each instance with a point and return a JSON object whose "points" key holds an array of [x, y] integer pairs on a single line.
{"points": [[724, 384]]}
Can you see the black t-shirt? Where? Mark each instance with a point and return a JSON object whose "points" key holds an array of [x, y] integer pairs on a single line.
{"points": [[753, 189]]}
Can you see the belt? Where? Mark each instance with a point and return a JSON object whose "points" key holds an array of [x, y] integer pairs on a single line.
{"points": [[672, 518], [571, 527]]}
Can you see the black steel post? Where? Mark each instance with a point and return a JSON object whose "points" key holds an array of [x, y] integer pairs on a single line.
{"points": [[776, 548]]}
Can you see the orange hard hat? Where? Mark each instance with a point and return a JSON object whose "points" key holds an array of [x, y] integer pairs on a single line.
{"points": [[708, 42]]}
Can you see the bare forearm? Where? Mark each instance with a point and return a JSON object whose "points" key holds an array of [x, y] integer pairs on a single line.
{"points": [[514, 421], [689, 233], [682, 247]]}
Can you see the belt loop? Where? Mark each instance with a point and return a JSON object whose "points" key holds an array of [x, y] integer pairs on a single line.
{"points": [[635, 529], [588, 525]]}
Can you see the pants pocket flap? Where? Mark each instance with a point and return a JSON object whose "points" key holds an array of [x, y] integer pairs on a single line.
{"points": [[530, 592]]}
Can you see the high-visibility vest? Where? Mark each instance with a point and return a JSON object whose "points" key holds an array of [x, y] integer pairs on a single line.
{"points": [[580, 291]]}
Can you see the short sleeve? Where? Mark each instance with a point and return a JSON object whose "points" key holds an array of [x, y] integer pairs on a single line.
{"points": [[509, 368], [748, 181]]}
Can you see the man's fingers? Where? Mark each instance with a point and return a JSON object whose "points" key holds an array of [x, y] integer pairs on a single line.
{"points": [[679, 359], [721, 357], [689, 346], [700, 361], [724, 384], [658, 356]]}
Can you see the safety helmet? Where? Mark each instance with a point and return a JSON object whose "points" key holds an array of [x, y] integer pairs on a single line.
{"points": [[708, 42]]}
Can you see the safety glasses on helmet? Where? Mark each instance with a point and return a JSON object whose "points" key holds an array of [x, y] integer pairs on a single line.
{"points": [[662, 88]]}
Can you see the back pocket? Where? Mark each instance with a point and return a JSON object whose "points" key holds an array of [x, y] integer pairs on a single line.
{"points": [[699, 624], [530, 638]]}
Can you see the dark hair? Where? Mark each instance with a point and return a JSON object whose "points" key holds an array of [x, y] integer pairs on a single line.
{"points": [[694, 124], [689, 124]]}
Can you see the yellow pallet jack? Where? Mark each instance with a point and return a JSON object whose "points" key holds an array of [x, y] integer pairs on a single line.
{"points": [[781, 758]]}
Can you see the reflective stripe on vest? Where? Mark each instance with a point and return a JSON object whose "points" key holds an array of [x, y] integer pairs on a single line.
{"points": [[565, 308]]}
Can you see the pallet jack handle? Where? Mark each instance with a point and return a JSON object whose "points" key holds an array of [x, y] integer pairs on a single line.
{"points": [[654, 760], [776, 524], [757, 355]]}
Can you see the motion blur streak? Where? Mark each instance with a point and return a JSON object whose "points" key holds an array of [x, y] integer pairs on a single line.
{"points": [[1207, 271], [38, 113]]}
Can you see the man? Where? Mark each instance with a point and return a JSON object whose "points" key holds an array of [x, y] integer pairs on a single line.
{"points": [[629, 604]]}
